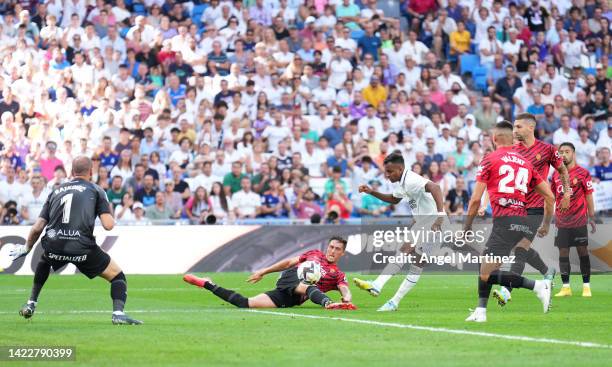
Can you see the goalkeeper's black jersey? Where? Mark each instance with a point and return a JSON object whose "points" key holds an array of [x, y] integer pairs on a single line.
{"points": [[71, 211]]}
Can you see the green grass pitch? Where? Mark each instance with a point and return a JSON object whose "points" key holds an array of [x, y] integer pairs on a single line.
{"points": [[188, 326]]}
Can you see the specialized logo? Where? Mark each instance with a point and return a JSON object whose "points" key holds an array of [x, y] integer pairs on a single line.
{"points": [[520, 228]]}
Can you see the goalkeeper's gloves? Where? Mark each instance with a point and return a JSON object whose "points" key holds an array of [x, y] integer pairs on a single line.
{"points": [[18, 251]]}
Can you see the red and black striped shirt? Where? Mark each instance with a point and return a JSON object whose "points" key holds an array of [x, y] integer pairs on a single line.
{"points": [[541, 156], [580, 186], [331, 275], [509, 177]]}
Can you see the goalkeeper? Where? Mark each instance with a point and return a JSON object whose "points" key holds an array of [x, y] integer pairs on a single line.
{"points": [[289, 290]]}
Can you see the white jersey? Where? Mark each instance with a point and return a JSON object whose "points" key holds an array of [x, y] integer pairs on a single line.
{"points": [[412, 187]]}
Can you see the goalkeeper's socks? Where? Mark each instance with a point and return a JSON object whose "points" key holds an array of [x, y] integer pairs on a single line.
{"points": [[228, 295], [119, 292], [40, 277], [414, 273], [316, 296]]}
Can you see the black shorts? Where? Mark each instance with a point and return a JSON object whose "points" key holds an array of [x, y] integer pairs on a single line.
{"points": [[91, 264], [284, 296], [572, 237], [506, 233], [534, 221]]}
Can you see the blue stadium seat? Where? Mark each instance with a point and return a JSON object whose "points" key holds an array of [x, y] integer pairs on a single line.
{"points": [[479, 74], [468, 63], [140, 9], [590, 71], [197, 12]]}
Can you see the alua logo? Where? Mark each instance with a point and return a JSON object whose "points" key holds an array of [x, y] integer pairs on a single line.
{"points": [[51, 233]]}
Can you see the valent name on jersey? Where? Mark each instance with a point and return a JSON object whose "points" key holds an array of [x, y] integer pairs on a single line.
{"points": [[78, 188], [513, 158]]}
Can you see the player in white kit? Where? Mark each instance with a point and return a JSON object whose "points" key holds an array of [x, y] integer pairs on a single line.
{"points": [[427, 204]]}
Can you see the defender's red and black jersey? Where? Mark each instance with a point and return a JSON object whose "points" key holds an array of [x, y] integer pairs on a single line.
{"points": [[331, 275], [541, 156], [580, 186], [509, 177]]}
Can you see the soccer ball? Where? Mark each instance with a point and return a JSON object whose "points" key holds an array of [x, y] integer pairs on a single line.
{"points": [[309, 272]]}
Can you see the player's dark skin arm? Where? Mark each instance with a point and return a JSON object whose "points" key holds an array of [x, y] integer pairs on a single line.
{"points": [[564, 177], [436, 192], [549, 207], [387, 198], [474, 205], [35, 233], [279, 266]]}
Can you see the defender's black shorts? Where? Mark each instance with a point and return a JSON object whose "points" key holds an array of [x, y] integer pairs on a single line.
{"points": [[572, 237], [283, 296], [91, 264], [534, 220], [506, 233]]}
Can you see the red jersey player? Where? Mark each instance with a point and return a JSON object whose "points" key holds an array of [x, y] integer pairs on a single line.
{"points": [[541, 155], [508, 177], [572, 224], [289, 290]]}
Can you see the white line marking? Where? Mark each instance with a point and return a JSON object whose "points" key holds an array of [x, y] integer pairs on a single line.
{"points": [[110, 311], [440, 330]]}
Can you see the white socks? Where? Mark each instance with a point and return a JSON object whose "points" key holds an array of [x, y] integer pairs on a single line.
{"points": [[118, 313], [414, 273], [380, 282]]}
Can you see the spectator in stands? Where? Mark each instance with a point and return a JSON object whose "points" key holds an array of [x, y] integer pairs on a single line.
{"points": [[246, 203], [199, 206], [603, 170], [115, 192], [146, 194], [159, 211]]}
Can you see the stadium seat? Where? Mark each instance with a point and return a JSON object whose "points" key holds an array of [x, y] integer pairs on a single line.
{"points": [[590, 71], [479, 74], [197, 12], [140, 9], [468, 63]]}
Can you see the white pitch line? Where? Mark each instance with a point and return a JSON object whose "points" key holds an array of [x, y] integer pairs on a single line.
{"points": [[127, 311], [440, 330]]}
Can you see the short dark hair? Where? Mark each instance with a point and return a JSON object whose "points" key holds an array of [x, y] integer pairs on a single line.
{"points": [[504, 124], [394, 158], [568, 144], [526, 116], [339, 239]]}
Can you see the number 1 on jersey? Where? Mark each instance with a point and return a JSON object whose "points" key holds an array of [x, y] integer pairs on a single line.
{"points": [[67, 203], [520, 181]]}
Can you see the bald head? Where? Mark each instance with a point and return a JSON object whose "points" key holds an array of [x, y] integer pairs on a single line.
{"points": [[81, 166]]}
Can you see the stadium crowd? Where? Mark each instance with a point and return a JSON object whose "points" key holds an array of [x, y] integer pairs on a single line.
{"points": [[281, 109]]}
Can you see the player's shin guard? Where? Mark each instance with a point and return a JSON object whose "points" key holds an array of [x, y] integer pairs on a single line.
{"points": [[119, 292], [315, 295], [414, 273], [585, 269], [534, 259], [40, 278], [565, 268], [509, 279], [228, 295]]}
